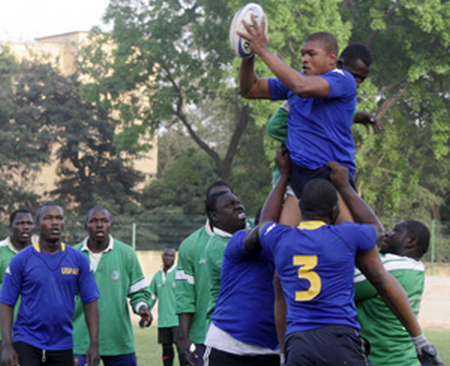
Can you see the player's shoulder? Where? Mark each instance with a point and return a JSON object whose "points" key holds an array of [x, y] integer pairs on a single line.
{"points": [[193, 239], [393, 262]]}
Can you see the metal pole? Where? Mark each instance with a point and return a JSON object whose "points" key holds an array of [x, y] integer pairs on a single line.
{"points": [[433, 228], [133, 235]]}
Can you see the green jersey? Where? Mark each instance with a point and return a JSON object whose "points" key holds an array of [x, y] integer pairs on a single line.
{"points": [[162, 288], [214, 255], [119, 276], [391, 344], [7, 251], [192, 289]]}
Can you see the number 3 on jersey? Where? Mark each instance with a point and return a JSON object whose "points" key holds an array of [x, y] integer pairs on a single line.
{"points": [[307, 263]]}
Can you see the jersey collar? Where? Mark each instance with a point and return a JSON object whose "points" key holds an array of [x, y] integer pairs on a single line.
{"points": [[311, 224], [208, 229], [37, 247], [222, 232], [110, 246]]}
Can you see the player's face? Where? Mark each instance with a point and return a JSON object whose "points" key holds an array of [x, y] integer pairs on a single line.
{"points": [[359, 70], [51, 223], [229, 214], [99, 225], [394, 241], [317, 59], [22, 228], [168, 258]]}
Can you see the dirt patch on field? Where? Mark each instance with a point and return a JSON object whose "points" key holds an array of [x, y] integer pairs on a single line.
{"points": [[435, 307]]}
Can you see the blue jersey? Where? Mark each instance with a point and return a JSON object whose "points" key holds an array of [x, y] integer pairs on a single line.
{"points": [[47, 284], [316, 268], [319, 129], [244, 308]]}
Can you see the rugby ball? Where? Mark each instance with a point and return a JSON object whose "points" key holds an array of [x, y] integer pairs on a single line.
{"points": [[239, 45]]}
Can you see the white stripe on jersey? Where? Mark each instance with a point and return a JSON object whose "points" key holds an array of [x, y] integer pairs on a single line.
{"points": [[181, 275], [138, 286]]}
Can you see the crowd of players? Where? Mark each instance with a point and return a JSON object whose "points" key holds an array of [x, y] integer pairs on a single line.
{"points": [[282, 292]]}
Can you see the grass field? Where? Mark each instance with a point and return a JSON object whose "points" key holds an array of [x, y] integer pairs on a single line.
{"points": [[149, 351]]}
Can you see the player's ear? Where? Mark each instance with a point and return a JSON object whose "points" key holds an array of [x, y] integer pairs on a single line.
{"points": [[410, 242], [332, 57]]}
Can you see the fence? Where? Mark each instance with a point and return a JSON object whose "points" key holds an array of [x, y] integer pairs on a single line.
{"points": [[154, 232]]}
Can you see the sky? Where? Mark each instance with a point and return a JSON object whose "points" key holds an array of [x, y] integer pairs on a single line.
{"points": [[25, 20]]}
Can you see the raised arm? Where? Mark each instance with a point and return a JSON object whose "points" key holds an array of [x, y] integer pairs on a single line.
{"points": [[274, 202], [304, 86], [360, 210]]}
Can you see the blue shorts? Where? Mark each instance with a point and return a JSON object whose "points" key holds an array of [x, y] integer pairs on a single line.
{"points": [[121, 360], [300, 176], [326, 346]]}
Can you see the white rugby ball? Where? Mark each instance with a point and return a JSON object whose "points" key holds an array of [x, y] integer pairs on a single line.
{"points": [[240, 45]]}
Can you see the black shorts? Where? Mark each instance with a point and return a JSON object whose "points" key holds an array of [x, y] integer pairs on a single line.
{"points": [[300, 176], [333, 345], [214, 357], [169, 335], [32, 356]]}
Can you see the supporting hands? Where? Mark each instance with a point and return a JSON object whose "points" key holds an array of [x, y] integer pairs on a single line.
{"points": [[338, 174], [283, 161], [426, 352], [256, 34]]}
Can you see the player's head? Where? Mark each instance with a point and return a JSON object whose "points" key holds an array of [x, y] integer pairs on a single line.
{"points": [[50, 222], [218, 186], [225, 211], [168, 257], [98, 223], [357, 60], [21, 226], [319, 201], [409, 238], [319, 53]]}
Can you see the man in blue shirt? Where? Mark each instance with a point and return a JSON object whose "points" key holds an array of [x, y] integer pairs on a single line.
{"points": [[47, 275], [315, 264], [322, 100]]}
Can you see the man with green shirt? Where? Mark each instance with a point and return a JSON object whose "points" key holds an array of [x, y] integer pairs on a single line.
{"points": [[21, 226], [162, 288], [401, 251], [192, 288], [119, 276]]}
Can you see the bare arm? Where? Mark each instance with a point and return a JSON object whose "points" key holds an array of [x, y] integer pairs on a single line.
{"points": [[274, 202], [9, 355], [367, 119], [250, 86], [389, 288], [304, 86], [280, 311], [359, 209], [91, 315], [185, 321]]}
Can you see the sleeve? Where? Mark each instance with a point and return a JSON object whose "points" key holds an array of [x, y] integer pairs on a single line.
{"points": [[364, 290], [153, 292], [12, 282], [271, 235], [185, 281], [361, 236], [277, 125], [277, 90], [235, 251], [139, 293], [86, 282], [342, 84]]}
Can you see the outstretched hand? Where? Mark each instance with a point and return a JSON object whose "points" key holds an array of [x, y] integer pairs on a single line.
{"points": [[368, 119], [256, 34]]}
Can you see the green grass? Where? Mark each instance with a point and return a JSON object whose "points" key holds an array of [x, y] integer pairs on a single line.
{"points": [[149, 351]]}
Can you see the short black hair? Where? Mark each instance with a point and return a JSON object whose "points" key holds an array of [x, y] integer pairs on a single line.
{"points": [[217, 183], [355, 52], [211, 201], [326, 38], [12, 216], [318, 198], [41, 207], [168, 248], [422, 235], [94, 209]]}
